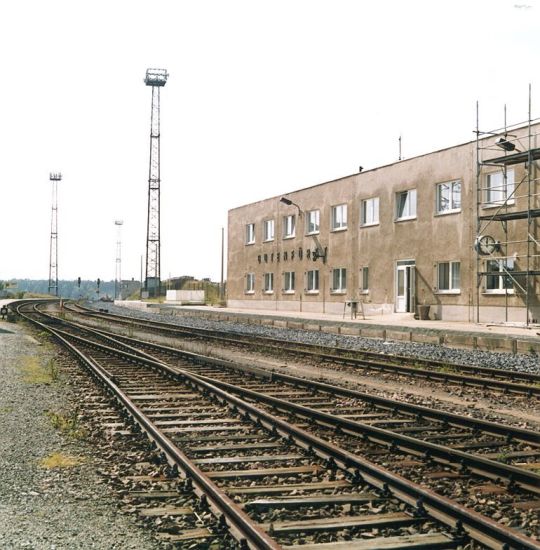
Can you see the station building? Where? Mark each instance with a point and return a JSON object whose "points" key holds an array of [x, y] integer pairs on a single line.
{"points": [[455, 229]]}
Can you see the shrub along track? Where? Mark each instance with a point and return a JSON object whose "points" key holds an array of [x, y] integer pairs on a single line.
{"points": [[318, 440], [512, 382]]}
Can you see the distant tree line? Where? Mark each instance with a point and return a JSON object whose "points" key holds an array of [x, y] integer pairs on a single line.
{"points": [[66, 289]]}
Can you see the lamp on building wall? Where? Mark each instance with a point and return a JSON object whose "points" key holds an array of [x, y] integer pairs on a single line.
{"points": [[289, 202], [503, 143]]}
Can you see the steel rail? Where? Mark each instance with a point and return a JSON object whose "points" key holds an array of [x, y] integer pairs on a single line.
{"points": [[527, 436], [477, 464], [385, 363], [240, 522], [457, 517]]}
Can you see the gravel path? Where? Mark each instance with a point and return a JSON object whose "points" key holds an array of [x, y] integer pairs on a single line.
{"points": [[519, 362], [45, 507]]}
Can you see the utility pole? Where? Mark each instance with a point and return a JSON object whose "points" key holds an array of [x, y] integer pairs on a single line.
{"points": [[53, 256], [156, 78], [118, 271]]}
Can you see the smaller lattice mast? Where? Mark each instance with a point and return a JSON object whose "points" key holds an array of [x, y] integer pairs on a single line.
{"points": [[118, 272], [53, 256]]}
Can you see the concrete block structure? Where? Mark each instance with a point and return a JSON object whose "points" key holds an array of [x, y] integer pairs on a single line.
{"points": [[455, 229]]}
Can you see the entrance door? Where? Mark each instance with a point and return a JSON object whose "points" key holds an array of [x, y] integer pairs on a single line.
{"points": [[405, 286]]}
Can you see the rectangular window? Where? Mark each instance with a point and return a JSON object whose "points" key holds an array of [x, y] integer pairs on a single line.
{"points": [[499, 189], [406, 205], [339, 217], [312, 281], [313, 221], [289, 226], [448, 197], [250, 283], [339, 280], [498, 279], [268, 283], [448, 276], [268, 230], [288, 281], [369, 211], [250, 233], [364, 280]]}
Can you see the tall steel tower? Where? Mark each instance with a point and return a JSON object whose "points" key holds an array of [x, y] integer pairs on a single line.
{"points": [[53, 257], [118, 273], [157, 79]]}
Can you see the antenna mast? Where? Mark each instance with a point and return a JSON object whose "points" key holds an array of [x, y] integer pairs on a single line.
{"points": [[53, 256], [157, 79]]}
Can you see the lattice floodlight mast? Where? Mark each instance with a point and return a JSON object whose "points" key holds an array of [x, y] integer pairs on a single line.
{"points": [[53, 256], [157, 79], [118, 271]]}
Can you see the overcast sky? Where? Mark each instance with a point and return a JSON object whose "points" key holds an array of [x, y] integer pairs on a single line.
{"points": [[263, 97]]}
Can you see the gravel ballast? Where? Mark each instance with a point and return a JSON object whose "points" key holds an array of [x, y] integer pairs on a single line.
{"points": [[42, 505], [517, 362]]}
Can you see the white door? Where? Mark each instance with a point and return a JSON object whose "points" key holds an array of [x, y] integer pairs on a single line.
{"points": [[405, 286]]}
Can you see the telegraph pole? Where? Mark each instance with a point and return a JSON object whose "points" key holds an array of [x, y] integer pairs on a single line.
{"points": [[53, 256], [156, 78]]}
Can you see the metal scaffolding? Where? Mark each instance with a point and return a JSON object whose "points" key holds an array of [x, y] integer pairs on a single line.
{"points": [[156, 78], [507, 239], [53, 254]]}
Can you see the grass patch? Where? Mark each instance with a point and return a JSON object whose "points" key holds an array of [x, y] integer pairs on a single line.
{"points": [[6, 410], [34, 372], [59, 460], [68, 424]]}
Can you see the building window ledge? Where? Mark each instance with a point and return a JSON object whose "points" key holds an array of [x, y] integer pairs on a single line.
{"points": [[338, 229], [497, 292], [312, 292], [287, 237], [269, 292], [405, 219], [372, 224], [448, 212], [251, 292], [288, 291], [448, 292], [338, 292]]}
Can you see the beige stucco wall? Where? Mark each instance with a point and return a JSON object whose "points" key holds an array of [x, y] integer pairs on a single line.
{"points": [[427, 239]]}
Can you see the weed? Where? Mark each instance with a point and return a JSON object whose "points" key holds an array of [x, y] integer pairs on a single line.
{"points": [[68, 424], [33, 371], [52, 369], [59, 460]]}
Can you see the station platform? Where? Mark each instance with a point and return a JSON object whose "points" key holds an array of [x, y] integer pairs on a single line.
{"points": [[510, 338]]}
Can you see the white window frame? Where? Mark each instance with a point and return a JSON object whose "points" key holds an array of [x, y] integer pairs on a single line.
{"points": [[369, 212], [268, 230], [339, 275], [363, 280], [339, 217], [289, 226], [250, 233], [313, 222], [500, 274], [250, 283], [269, 283], [289, 281], [498, 189], [448, 204], [409, 206], [453, 276], [312, 281]]}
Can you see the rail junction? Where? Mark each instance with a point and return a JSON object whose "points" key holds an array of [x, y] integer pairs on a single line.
{"points": [[262, 459]]}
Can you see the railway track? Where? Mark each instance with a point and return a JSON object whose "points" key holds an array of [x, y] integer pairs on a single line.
{"points": [[508, 382], [305, 428]]}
